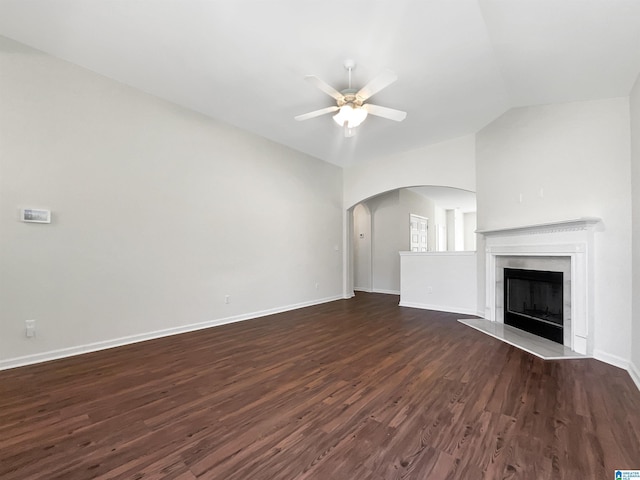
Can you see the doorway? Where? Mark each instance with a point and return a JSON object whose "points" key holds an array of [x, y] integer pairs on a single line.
{"points": [[418, 233]]}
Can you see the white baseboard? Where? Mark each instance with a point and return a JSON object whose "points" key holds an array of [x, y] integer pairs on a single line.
{"points": [[359, 289], [118, 342], [614, 360], [634, 371], [440, 308], [387, 292]]}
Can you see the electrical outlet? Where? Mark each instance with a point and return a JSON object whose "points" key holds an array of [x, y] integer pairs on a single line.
{"points": [[317, 285], [429, 289], [227, 299], [30, 328]]}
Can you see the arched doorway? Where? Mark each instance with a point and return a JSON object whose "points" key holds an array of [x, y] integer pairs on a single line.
{"points": [[379, 228]]}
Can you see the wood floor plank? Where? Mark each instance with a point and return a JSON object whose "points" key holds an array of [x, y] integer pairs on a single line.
{"points": [[353, 389]]}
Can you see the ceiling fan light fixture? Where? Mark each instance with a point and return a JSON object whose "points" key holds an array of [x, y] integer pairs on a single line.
{"points": [[343, 114], [352, 116], [358, 116]]}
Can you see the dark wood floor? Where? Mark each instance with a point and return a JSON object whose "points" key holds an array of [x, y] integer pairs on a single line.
{"points": [[356, 389]]}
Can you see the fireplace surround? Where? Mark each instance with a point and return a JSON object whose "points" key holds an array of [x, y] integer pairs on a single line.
{"points": [[565, 246]]}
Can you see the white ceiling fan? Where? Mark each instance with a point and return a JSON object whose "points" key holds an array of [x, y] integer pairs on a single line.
{"points": [[351, 108]]}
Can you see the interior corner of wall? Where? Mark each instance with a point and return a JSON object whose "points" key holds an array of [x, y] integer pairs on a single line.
{"points": [[634, 371]]}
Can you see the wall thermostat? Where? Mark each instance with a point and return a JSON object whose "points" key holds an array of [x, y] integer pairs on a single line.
{"points": [[35, 215]]}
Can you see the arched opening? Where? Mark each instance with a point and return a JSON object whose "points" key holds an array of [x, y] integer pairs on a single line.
{"points": [[439, 218]]}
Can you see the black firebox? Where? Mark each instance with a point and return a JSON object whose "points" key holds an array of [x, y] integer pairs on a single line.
{"points": [[533, 302]]}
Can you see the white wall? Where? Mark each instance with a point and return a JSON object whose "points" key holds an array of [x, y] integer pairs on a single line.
{"points": [[470, 219], [635, 178], [362, 248], [567, 161], [444, 281], [455, 230], [450, 164], [440, 222], [158, 213]]}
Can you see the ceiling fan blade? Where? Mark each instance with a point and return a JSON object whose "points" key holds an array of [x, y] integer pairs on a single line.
{"points": [[384, 112], [316, 113], [325, 87], [386, 78]]}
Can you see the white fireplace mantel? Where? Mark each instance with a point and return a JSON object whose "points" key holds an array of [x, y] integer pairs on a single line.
{"points": [[563, 226], [570, 238]]}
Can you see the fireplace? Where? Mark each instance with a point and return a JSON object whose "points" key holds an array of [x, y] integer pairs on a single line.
{"points": [[547, 247], [533, 301]]}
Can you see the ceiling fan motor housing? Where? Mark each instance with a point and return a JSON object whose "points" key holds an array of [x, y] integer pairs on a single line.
{"points": [[349, 97]]}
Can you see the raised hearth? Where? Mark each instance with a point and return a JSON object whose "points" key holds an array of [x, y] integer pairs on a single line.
{"points": [[538, 346]]}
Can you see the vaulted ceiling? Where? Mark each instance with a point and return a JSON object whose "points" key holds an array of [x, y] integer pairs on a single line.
{"points": [[460, 63]]}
